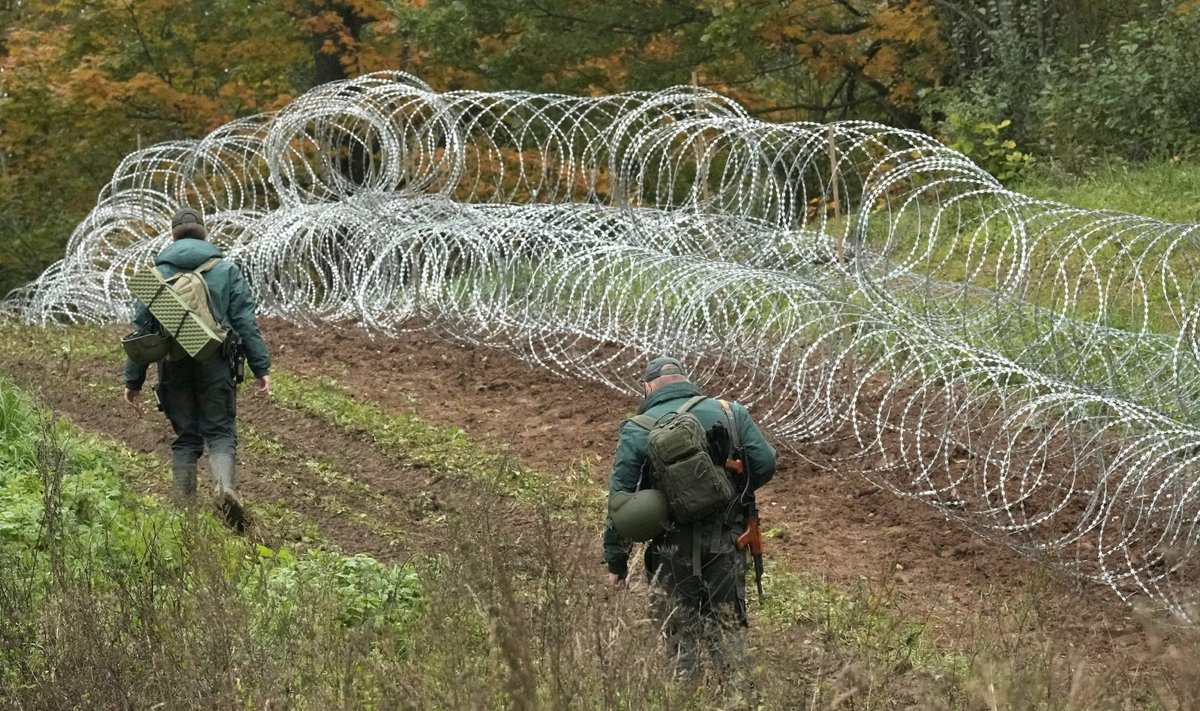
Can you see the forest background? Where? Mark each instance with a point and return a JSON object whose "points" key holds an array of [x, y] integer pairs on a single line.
{"points": [[1047, 88]]}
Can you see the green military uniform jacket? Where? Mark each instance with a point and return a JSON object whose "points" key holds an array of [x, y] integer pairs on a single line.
{"points": [[632, 461], [232, 303]]}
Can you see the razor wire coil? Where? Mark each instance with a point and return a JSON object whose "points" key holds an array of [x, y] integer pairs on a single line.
{"points": [[1026, 367]]}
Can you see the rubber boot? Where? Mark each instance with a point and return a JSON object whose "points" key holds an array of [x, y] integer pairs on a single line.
{"points": [[183, 477], [224, 473]]}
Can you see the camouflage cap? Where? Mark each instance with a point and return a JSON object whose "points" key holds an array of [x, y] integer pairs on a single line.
{"points": [[663, 365]]}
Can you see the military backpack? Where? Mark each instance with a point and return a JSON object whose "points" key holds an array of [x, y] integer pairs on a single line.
{"points": [[180, 305], [696, 487]]}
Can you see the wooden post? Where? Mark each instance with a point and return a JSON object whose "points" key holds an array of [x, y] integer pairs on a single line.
{"points": [[700, 148], [835, 199]]}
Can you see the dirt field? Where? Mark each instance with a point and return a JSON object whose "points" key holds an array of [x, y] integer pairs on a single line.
{"points": [[826, 523]]}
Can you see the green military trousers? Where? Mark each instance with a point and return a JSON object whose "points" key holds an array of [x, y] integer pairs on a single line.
{"points": [[698, 579], [200, 400]]}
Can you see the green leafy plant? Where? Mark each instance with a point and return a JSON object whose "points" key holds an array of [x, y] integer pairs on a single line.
{"points": [[1129, 97], [988, 145]]}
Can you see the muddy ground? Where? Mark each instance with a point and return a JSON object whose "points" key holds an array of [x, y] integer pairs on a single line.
{"points": [[828, 523]]}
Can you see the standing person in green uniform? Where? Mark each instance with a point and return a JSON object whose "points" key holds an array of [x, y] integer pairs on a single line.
{"points": [[200, 397], [696, 570]]}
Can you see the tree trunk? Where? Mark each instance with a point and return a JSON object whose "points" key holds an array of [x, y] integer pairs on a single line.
{"points": [[328, 66]]}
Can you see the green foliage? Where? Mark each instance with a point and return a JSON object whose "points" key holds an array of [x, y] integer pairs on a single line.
{"points": [[32, 233], [1133, 96], [132, 580], [578, 47], [365, 590], [16, 432], [95, 512], [983, 143]]}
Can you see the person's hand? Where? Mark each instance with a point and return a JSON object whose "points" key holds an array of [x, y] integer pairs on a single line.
{"points": [[617, 581], [264, 386], [134, 399]]}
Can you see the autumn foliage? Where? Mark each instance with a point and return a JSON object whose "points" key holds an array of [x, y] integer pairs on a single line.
{"points": [[85, 82]]}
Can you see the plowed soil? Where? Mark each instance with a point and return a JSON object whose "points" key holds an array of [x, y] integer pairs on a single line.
{"points": [[828, 523]]}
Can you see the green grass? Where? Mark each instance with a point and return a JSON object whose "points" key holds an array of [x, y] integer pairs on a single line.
{"points": [[859, 618], [1164, 190], [1097, 347], [420, 443], [103, 587], [972, 242]]}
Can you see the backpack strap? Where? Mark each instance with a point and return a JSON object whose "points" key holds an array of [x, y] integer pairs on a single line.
{"points": [[198, 270], [207, 265], [207, 291], [691, 403], [647, 422]]}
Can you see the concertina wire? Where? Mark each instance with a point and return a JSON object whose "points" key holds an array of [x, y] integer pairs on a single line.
{"points": [[1027, 368]]}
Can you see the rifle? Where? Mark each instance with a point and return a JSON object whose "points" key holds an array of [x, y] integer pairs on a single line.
{"points": [[751, 537]]}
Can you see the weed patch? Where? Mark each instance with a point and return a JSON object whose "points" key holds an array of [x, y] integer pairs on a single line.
{"points": [[419, 443]]}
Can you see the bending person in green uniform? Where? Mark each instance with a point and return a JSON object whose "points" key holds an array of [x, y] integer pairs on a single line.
{"points": [[696, 570]]}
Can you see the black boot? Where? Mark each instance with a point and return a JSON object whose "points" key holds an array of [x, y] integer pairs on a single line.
{"points": [[183, 477]]}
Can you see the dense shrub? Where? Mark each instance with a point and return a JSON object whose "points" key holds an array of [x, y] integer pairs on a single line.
{"points": [[1132, 97], [973, 121]]}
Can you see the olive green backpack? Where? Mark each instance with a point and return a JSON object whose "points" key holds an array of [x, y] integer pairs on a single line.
{"points": [[696, 488]]}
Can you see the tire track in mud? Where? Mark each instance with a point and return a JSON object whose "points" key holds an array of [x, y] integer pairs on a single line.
{"points": [[360, 500], [840, 529], [829, 521]]}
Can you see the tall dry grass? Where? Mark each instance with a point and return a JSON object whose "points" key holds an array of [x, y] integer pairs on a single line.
{"points": [[511, 611]]}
